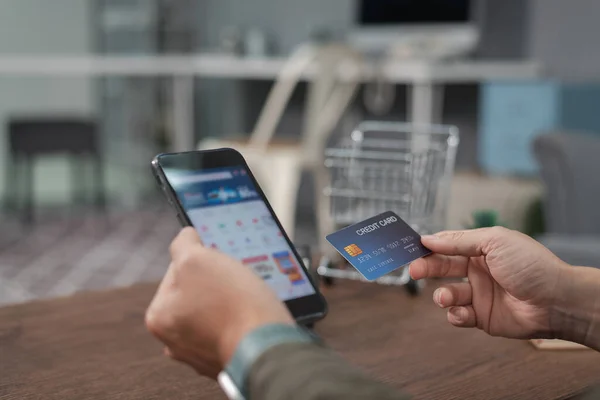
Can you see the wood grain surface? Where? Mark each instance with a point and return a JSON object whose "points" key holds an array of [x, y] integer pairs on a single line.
{"points": [[95, 346]]}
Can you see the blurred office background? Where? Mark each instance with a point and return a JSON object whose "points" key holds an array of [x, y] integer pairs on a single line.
{"points": [[90, 90]]}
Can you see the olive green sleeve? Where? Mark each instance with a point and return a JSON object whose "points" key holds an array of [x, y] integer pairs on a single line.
{"points": [[593, 394], [305, 371]]}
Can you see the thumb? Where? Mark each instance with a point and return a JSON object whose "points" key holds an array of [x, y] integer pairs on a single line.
{"points": [[184, 241], [468, 243]]}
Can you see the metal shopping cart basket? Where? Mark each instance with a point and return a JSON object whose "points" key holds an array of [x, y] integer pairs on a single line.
{"points": [[388, 166]]}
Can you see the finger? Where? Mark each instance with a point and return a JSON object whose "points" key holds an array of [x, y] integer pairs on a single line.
{"points": [[187, 238], [157, 319], [165, 284], [469, 243], [171, 352], [453, 294], [439, 266], [462, 317]]}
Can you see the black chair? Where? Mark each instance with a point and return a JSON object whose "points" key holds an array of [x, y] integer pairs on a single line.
{"points": [[33, 137]]}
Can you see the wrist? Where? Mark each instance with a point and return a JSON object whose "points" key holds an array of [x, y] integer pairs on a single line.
{"points": [[234, 379], [575, 315], [235, 333]]}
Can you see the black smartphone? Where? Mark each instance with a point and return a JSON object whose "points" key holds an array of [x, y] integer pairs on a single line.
{"points": [[215, 192]]}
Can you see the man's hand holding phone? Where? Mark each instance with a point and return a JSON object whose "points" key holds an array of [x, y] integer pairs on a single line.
{"points": [[206, 303], [215, 192]]}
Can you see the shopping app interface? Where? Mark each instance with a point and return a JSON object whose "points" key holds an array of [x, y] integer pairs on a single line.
{"points": [[230, 216]]}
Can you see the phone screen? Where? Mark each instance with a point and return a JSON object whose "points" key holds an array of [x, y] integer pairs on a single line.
{"points": [[229, 215]]}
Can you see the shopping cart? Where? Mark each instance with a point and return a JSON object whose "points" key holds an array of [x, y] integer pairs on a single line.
{"points": [[388, 166]]}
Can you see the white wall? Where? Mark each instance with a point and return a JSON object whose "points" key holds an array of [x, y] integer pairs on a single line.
{"points": [[563, 37], [44, 27]]}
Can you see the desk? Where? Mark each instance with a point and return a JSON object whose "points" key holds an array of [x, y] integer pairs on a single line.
{"points": [[94, 345], [425, 79]]}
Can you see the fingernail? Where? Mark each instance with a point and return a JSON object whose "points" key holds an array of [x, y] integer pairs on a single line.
{"points": [[439, 293], [457, 313]]}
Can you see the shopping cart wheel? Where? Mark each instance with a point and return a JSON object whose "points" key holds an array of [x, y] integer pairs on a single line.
{"points": [[306, 255], [318, 279], [327, 280], [312, 271], [414, 287], [314, 274]]}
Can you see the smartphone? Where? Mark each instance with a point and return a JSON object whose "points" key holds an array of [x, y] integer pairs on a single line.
{"points": [[215, 192]]}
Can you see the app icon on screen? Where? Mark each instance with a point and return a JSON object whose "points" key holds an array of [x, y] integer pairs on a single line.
{"points": [[221, 195], [287, 265], [261, 265]]}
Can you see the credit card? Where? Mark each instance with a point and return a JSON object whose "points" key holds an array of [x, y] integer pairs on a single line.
{"points": [[378, 245]]}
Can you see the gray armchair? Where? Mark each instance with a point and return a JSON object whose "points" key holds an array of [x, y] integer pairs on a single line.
{"points": [[570, 169]]}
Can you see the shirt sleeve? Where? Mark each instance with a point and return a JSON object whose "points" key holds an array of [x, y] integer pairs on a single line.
{"points": [[305, 371], [593, 394]]}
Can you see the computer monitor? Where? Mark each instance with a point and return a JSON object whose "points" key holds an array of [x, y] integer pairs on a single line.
{"points": [[446, 27], [413, 12]]}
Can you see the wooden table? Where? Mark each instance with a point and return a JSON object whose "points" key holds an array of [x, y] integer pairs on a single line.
{"points": [[94, 345]]}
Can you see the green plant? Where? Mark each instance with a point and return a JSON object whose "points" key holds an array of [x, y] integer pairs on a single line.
{"points": [[535, 223], [484, 219]]}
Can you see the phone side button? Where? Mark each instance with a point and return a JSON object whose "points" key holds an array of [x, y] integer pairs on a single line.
{"points": [[157, 178], [167, 194], [182, 220]]}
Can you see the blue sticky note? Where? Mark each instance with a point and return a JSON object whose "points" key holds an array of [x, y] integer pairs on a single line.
{"points": [[379, 245]]}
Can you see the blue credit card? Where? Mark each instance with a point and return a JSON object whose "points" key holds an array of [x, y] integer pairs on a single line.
{"points": [[379, 245]]}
